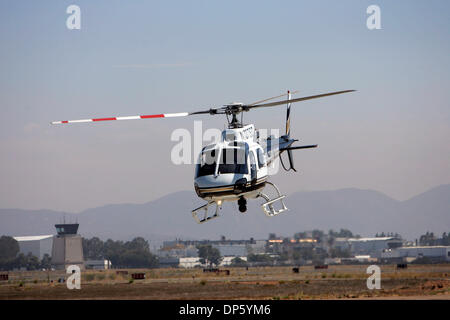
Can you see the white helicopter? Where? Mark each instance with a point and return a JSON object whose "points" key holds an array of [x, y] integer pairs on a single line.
{"points": [[236, 168]]}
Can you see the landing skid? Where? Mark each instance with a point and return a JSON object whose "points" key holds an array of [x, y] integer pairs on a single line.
{"points": [[206, 217], [268, 207]]}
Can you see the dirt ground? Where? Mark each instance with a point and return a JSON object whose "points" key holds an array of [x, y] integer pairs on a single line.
{"points": [[336, 282]]}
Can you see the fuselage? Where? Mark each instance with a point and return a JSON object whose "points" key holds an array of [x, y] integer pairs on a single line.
{"points": [[235, 167]]}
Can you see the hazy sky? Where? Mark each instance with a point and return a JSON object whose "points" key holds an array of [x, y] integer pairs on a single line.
{"points": [[144, 57]]}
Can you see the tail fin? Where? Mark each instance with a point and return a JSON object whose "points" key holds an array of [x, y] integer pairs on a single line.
{"points": [[288, 115], [288, 131]]}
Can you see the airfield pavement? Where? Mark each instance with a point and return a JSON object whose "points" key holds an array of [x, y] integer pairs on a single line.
{"points": [[336, 282]]}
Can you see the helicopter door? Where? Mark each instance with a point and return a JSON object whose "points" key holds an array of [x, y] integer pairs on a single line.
{"points": [[252, 168]]}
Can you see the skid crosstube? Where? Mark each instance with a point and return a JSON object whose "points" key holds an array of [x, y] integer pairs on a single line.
{"points": [[206, 217], [268, 207]]}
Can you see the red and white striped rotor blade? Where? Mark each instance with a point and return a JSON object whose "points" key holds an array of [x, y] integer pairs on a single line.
{"points": [[162, 115]]}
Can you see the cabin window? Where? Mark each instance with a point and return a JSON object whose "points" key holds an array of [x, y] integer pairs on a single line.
{"points": [[252, 166], [233, 160], [261, 158]]}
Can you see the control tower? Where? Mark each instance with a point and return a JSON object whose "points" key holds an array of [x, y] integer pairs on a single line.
{"points": [[67, 247]]}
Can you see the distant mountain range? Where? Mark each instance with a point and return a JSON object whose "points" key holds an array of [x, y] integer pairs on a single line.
{"points": [[364, 212]]}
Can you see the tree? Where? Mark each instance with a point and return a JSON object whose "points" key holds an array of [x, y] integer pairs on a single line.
{"points": [[135, 253], [427, 239], [445, 239], [303, 253], [93, 248], [272, 236], [259, 258], [46, 262], [209, 255], [9, 248], [343, 233], [112, 251], [138, 243], [28, 262], [300, 235], [32, 262], [339, 253], [238, 262], [317, 235]]}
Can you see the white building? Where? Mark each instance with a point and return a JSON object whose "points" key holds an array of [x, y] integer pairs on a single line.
{"points": [[437, 253], [226, 261], [36, 245], [232, 250], [174, 249], [195, 262], [98, 264], [368, 246], [257, 247], [190, 262]]}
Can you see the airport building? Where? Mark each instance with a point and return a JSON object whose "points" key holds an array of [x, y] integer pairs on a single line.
{"points": [[36, 245], [368, 246], [433, 253], [232, 250], [176, 249], [98, 264], [189, 262], [227, 248], [67, 247], [195, 262]]}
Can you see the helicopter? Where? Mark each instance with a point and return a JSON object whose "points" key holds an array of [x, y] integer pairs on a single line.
{"points": [[236, 167]]}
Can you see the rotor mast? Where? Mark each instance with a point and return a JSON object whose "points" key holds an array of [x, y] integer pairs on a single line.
{"points": [[234, 110]]}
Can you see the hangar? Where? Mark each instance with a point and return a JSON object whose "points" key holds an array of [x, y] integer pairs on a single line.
{"points": [[36, 245]]}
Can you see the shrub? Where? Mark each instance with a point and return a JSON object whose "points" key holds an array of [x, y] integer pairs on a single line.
{"points": [[100, 277], [89, 277]]}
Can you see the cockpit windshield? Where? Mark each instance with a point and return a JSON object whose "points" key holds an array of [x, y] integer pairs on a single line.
{"points": [[232, 160]]}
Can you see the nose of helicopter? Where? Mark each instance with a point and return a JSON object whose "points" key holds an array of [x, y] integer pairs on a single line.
{"points": [[220, 183], [217, 181]]}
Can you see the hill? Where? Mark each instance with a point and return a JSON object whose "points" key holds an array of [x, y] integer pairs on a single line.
{"points": [[364, 212]]}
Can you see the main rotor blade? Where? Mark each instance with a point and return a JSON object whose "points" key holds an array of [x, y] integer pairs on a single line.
{"points": [[272, 104], [162, 115], [212, 111], [299, 147], [281, 95]]}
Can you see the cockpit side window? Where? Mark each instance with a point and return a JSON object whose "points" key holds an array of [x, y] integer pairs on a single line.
{"points": [[207, 164], [261, 158]]}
